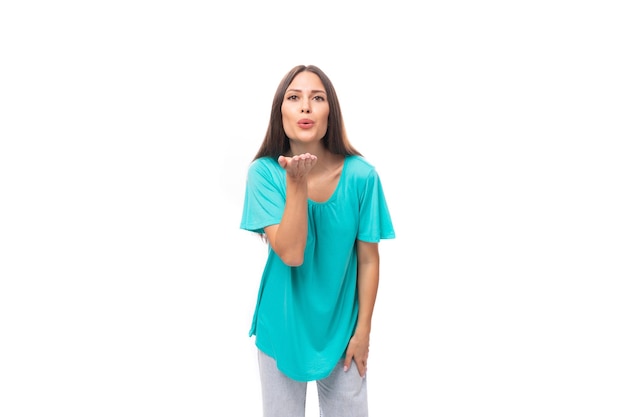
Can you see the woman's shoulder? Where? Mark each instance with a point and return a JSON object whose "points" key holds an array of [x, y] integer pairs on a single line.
{"points": [[360, 165], [263, 164], [264, 161]]}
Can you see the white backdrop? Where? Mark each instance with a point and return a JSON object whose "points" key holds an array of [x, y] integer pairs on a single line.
{"points": [[127, 288]]}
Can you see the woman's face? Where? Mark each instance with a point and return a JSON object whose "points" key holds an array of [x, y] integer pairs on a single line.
{"points": [[305, 109]]}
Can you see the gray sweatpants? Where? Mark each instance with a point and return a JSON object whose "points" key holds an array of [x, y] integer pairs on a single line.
{"points": [[341, 394]]}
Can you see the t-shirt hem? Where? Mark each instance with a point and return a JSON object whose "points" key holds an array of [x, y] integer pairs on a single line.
{"points": [[295, 376]]}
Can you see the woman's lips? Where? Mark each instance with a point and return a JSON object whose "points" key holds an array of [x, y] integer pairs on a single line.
{"points": [[305, 123]]}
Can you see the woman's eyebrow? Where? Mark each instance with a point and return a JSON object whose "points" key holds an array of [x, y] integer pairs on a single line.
{"points": [[296, 90]]}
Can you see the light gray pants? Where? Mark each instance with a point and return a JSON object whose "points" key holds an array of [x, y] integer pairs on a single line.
{"points": [[341, 394]]}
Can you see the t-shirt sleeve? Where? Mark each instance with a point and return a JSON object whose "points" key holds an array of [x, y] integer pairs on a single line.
{"points": [[374, 217], [264, 200]]}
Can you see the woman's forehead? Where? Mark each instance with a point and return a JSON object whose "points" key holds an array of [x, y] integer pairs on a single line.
{"points": [[306, 80]]}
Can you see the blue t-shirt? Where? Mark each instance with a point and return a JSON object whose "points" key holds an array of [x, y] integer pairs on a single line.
{"points": [[306, 315]]}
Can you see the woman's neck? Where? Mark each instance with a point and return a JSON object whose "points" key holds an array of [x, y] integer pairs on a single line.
{"points": [[316, 149]]}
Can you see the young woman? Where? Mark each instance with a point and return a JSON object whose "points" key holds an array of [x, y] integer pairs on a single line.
{"points": [[320, 206]]}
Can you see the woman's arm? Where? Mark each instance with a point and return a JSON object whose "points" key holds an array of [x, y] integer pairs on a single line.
{"points": [[288, 238], [367, 286]]}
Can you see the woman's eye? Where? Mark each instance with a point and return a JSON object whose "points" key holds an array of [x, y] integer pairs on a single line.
{"points": [[318, 98], [292, 97]]}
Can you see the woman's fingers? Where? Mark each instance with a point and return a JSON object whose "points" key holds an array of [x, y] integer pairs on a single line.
{"points": [[298, 165]]}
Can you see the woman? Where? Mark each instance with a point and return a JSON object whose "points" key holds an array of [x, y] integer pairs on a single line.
{"points": [[321, 208]]}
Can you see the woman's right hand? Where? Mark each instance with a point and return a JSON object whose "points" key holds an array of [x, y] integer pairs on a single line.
{"points": [[297, 166]]}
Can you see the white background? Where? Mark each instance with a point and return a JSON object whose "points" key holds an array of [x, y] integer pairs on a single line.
{"points": [[127, 287]]}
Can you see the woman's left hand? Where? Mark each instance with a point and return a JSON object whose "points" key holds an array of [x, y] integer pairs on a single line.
{"points": [[358, 350]]}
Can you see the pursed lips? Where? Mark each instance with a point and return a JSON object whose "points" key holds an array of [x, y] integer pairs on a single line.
{"points": [[305, 123]]}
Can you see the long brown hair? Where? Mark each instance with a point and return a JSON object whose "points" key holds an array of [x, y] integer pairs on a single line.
{"points": [[276, 142]]}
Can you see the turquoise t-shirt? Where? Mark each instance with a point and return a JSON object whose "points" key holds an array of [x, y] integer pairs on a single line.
{"points": [[306, 315]]}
